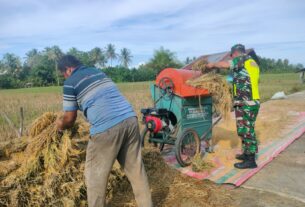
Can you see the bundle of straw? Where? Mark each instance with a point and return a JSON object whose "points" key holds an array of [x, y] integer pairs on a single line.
{"points": [[44, 169], [48, 170], [200, 65], [217, 87], [199, 164]]}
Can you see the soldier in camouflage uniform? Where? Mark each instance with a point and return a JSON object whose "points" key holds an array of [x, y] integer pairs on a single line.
{"points": [[246, 101]]}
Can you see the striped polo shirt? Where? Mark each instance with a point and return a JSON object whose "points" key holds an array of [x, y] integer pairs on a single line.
{"points": [[92, 92]]}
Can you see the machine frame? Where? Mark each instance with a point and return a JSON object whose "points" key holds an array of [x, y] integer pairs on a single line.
{"points": [[190, 116]]}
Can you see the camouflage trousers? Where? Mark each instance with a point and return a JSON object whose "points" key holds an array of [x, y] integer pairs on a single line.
{"points": [[245, 123]]}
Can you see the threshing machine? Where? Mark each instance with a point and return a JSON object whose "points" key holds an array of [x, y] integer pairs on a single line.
{"points": [[181, 116]]}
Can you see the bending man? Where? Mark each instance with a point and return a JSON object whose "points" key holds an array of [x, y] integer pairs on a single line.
{"points": [[114, 131]]}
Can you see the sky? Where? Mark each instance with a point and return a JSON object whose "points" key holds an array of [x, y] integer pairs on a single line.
{"points": [[274, 28]]}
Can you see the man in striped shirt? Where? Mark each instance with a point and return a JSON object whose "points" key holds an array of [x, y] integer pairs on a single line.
{"points": [[114, 131]]}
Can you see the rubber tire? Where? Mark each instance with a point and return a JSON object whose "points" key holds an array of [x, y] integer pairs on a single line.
{"points": [[178, 145]]}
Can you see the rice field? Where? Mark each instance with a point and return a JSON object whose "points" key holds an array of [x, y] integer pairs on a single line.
{"points": [[36, 101], [55, 166]]}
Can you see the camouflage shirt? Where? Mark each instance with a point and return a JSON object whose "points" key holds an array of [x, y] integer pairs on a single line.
{"points": [[242, 88]]}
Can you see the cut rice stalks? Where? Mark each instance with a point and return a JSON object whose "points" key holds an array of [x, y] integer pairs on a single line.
{"points": [[218, 88]]}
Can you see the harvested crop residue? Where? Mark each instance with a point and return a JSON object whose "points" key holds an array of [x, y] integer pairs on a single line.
{"points": [[200, 164], [170, 188], [217, 87], [45, 169], [274, 118]]}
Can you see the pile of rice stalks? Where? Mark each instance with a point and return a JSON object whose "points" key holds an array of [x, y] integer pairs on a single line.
{"points": [[46, 169], [199, 164], [217, 86], [200, 65]]}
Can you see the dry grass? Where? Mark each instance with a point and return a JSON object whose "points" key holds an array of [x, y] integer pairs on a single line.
{"points": [[49, 170], [46, 167], [200, 164], [169, 188], [217, 86], [200, 66], [36, 101], [34, 105], [219, 89]]}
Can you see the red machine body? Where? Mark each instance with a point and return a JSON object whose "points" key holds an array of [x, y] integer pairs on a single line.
{"points": [[153, 123], [179, 78]]}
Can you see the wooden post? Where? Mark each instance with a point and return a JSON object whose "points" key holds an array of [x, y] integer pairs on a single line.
{"points": [[21, 122], [302, 77]]}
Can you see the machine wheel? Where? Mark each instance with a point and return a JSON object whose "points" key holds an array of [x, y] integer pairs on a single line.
{"points": [[145, 135], [187, 146]]}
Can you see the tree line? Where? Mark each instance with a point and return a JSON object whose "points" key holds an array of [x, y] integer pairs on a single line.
{"points": [[39, 68]]}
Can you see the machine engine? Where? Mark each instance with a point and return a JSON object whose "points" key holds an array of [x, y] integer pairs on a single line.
{"points": [[157, 120]]}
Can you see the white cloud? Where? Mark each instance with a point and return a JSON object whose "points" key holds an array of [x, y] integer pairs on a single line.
{"points": [[189, 27], [64, 17]]}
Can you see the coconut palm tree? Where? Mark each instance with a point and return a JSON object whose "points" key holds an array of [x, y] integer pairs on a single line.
{"points": [[110, 53], [54, 54], [73, 51], [30, 57], [125, 57], [97, 56]]}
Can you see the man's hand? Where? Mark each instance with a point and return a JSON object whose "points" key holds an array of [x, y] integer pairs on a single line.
{"points": [[66, 121], [209, 66], [221, 65], [59, 124]]}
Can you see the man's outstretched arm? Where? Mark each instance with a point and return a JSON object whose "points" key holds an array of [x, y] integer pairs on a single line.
{"points": [[220, 64], [67, 120]]}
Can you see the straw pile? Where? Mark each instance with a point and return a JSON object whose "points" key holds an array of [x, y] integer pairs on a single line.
{"points": [[217, 86], [46, 169], [200, 66], [199, 164]]}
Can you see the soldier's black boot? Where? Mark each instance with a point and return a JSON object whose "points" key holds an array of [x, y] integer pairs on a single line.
{"points": [[240, 156], [248, 162], [243, 155]]}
